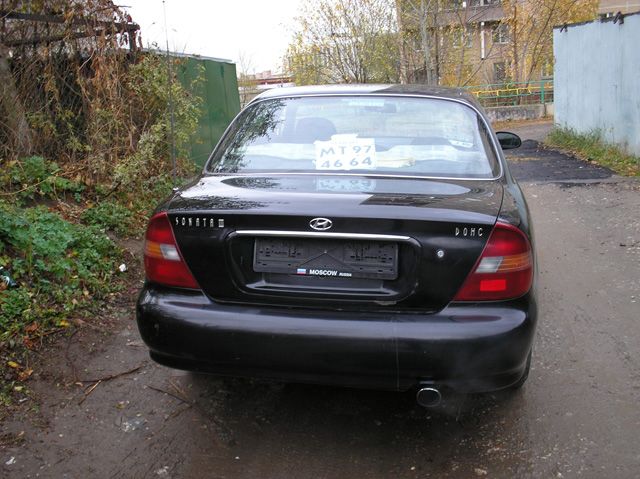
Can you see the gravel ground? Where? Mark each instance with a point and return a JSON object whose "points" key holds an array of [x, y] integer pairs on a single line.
{"points": [[577, 416]]}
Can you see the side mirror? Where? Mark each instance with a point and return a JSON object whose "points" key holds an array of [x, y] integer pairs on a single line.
{"points": [[508, 141]]}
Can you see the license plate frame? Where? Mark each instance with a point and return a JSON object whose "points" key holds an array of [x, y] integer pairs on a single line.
{"points": [[326, 258]]}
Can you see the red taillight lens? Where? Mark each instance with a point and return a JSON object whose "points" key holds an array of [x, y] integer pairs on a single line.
{"points": [[504, 270], [163, 262]]}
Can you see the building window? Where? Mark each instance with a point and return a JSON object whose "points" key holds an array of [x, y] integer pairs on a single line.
{"points": [[499, 72], [462, 37], [480, 3], [455, 4], [501, 33]]}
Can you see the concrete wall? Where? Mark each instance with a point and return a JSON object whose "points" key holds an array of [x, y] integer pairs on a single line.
{"points": [[519, 112], [597, 80]]}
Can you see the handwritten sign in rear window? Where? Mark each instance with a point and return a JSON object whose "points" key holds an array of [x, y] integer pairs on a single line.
{"points": [[346, 152]]}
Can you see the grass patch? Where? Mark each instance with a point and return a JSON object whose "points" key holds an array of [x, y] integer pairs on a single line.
{"points": [[113, 216], [58, 256], [591, 147], [59, 267]]}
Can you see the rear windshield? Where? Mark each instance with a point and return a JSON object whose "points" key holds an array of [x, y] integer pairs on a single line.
{"points": [[358, 134]]}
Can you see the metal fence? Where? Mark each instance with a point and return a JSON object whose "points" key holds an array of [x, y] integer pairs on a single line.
{"points": [[64, 84], [597, 70], [513, 94]]}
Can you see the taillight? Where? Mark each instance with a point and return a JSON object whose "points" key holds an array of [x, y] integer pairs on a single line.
{"points": [[504, 270], [163, 262]]}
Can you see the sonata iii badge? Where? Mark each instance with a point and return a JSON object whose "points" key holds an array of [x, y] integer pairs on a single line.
{"points": [[198, 222], [321, 224]]}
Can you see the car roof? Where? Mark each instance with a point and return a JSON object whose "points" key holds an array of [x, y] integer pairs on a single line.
{"points": [[448, 93]]}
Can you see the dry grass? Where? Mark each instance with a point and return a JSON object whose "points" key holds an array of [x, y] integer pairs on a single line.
{"points": [[591, 147]]}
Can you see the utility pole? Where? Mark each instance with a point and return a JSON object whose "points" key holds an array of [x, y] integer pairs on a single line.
{"points": [[170, 100]]}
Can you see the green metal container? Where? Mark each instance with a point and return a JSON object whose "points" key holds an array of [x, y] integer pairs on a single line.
{"points": [[218, 89]]}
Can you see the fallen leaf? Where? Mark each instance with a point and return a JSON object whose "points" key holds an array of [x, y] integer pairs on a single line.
{"points": [[31, 327], [13, 364], [28, 342], [63, 323], [24, 375]]}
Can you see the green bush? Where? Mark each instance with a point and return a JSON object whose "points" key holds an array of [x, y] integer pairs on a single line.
{"points": [[149, 85], [14, 303], [111, 215], [59, 266], [129, 218], [34, 177]]}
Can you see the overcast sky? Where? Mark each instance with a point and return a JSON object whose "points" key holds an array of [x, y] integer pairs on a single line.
{"points": [[258, 29]]}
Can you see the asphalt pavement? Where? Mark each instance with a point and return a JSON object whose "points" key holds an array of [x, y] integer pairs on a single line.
{"points": [[577, 416]]}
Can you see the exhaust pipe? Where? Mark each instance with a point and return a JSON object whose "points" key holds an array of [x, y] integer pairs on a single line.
{"points": [[428, 397]]}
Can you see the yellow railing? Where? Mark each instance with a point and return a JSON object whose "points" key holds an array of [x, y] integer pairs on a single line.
{"points": [[503, 94]]}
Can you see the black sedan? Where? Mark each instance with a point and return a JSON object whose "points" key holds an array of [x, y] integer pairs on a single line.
{"points": [[353, 235]]}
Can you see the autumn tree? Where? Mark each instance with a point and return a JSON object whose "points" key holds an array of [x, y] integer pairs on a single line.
{"points": [[247, 84], [15, 121], [344, 41], [440, 41], [452, 42], [419, 40], [531, 31]]}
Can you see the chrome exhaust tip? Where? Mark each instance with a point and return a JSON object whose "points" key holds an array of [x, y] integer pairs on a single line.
{"points": [[428, 397]]}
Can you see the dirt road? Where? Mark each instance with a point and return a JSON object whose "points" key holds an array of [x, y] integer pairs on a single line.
{"points": [[577, 416]]}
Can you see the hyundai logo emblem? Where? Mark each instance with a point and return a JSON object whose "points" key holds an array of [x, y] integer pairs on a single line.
{"points": [[321, 224]]}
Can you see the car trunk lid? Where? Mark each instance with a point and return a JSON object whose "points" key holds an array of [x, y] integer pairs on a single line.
{"points": [[400, 243]]}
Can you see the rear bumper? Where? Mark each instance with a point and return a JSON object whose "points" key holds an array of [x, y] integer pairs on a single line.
{"points": [[468, 347]]}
